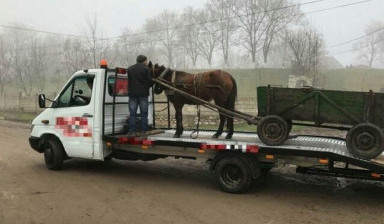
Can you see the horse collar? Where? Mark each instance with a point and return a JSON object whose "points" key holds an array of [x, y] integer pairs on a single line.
{"points": [[163, 73], [173, 77]]}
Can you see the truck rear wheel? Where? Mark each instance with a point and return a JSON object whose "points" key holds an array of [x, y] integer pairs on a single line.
{"points": [[273, 130], [232, 175], [53, 155], [365, 141]]}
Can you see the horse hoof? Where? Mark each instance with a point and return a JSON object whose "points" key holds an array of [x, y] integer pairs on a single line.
{"points": [[215, 136], [228, 137], [176, 136]]}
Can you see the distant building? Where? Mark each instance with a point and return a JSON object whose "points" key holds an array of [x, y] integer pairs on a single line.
{"points": [[329, 62]]}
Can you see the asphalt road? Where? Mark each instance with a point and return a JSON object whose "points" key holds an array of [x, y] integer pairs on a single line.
{"points": [[167, 191]]}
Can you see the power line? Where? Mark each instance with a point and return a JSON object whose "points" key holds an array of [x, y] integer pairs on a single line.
{"points": [[358, 38], [221, 19], [163, 29], [41, 31], [176, 27]]}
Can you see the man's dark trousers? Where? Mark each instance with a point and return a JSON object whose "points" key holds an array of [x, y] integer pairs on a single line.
{"points": [[134, 103]]}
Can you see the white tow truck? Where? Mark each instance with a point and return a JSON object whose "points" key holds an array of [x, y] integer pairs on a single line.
{"points": [[87, 118]]}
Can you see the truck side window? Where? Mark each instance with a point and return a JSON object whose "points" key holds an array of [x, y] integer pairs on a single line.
{"points": [[78, 93]]}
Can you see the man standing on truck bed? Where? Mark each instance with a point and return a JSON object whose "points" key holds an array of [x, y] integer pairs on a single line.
{"points": [[139, 82]]}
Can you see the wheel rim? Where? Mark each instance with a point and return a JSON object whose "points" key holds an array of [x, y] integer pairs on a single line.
{"points": [[231, 175], [273, 130], [365, 141]]}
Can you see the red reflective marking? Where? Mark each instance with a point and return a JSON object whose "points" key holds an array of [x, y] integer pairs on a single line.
{"points": [[252, 148], [221, 147], [122, 139], [147, 142]]}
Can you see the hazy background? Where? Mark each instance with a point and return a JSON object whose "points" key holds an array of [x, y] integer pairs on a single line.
{"points": [[329, 44], [337, 25]]}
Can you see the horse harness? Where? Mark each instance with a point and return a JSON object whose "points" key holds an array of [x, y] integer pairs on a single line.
{"points": [[196, 85]]}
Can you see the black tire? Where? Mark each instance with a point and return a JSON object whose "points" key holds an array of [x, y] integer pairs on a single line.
{"points": [[53, 155], [265, 170], [365, 141], [289, 123], [232, 175], [273, 130]]}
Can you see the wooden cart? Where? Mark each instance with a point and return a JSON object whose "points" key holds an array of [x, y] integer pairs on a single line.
{"points": [[361, 113]]}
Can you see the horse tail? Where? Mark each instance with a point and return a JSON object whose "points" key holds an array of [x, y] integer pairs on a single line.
{"points": [[232, 95]]}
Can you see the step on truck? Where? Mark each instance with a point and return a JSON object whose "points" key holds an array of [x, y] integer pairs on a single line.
{"points": [[87, 120]]}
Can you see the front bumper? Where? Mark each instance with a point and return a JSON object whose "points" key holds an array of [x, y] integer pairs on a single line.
{"points": [[35, 144]]}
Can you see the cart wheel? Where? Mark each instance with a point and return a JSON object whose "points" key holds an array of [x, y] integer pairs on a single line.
{"points": [[289, 123], [365, 141], [273, 130]]}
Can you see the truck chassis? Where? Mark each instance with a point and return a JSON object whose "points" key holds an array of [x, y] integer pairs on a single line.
{"points": [[238, 163]]}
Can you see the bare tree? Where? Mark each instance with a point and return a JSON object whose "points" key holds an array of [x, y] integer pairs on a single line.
{"points": [[20, 60], [252, 20], [74, 56], [5, 63], [371, 46], [162, 28], [97, 47], [209, 37], [190, 33], [280, 13], [223, 12], [306, 48], [38, 62]]}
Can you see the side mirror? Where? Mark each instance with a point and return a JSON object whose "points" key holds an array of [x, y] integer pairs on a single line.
{"points": [[41, 100]]}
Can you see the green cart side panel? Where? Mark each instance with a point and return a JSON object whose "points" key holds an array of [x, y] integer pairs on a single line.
{"points": [[262, 100], [311, 102]]}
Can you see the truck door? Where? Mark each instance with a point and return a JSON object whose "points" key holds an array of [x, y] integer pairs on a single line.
{"points": [[73, 116]]}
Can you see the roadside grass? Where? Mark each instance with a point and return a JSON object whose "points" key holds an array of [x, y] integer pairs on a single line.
{"points": [[20, 116]]}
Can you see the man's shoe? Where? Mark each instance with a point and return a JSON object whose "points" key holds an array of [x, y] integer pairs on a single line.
{"points": [[143, 134]]}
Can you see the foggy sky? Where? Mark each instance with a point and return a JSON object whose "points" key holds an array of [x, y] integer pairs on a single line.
{"points": [[67, 16]]}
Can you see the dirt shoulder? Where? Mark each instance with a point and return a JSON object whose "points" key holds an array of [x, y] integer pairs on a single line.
{"points": [[167, 191]]}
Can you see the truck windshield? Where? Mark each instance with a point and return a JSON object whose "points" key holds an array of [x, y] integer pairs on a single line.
{"points": [[77, 93]]}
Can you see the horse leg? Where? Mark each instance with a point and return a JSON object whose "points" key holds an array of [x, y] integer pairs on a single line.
{"points": [[179, 120], [230, 105], [221, 127], [229, 127]]}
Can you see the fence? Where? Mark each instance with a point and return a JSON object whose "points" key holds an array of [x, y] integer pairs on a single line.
{"points": [[208, 117]]}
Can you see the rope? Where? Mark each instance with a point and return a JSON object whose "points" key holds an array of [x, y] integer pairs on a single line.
{"points": [[157, 111], [195, 83], [197, 125]]}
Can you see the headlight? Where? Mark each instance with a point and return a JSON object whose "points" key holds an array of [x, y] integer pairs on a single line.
{"points": [[32, 125]]}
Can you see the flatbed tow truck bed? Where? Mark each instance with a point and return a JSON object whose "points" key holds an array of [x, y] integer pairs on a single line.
{"points": [[310, 154]]}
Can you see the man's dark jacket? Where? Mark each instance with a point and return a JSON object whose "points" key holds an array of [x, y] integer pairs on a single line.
{"points": [[139, 80]]}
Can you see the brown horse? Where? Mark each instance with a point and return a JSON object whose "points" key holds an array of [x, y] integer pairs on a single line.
{"points": [[217, 85]]}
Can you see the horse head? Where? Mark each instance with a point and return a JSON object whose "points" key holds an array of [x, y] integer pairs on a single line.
{"points": [[158, 72]]}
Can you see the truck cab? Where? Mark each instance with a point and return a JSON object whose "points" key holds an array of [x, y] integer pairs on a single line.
{"points": [[81, 114]]}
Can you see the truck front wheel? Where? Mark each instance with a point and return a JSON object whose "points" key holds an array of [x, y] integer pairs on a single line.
{"points": [[53, 155], [232, 175]]}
